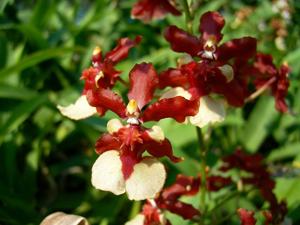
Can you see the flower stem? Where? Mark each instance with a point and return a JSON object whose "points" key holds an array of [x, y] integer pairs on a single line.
{"points": [[188, 16], [123, 82], [203, 151], [260, 90]]}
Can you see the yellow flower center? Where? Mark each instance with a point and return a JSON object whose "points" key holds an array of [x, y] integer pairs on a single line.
{"points": [[96, 50], [132, 107]]}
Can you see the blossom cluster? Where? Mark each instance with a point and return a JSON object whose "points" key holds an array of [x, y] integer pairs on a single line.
{"points": [[210, 76]]}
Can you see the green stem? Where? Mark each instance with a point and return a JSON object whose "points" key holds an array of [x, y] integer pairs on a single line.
{"points": [[226, 199], [188, 16], [203, 151]]}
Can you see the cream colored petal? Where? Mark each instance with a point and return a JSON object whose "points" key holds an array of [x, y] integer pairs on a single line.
{"points": [[185, 59], [156, 133], [146, 180], [227, 71], [174, 92], [114, 125], [163, 219], [60, 218], [107, 174], [138, 220], [79, 110], [210, 111]]}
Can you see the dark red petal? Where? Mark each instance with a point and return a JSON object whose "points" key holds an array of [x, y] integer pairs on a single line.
{"points": [[246, 217], [181, 41], [172, 78], [101, 111], [215, 183], [121, 51], [107, 142], [242, 48], [159, 149], [110, 75], [177, 108], [143, 81], [264, 66], [152, 214], [211, 24], [268, 217], [280, 88], [184, 210], [281, 104], [242, 160], [184, 185], [147, 10], [128, 159], [88, 75], [105, 98], [234, 92]]}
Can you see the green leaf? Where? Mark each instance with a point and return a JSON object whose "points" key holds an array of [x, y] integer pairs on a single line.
{"points": [[8, 91], [21, 113], [37, 58], [287, 151], [259, 124], [293, 60], [3, 50], [288, 189], [33, 35], [3, 3], [42, 12]]}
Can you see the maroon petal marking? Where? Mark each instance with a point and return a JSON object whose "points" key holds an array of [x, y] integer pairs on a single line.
{"points": [[121, 51], [242, 160], [265, 70], [242, 48], [159, 149], [143, 81], [101, 111], [151, 213], [211, 24], [177, 108], [128, 159], [215, 183], [88, 75], [234, 92], [110, 74], [184, 210], [184, 185], [105, 98], [107, 142], [280, 89], [246, 217], [181, 41], [172, 78], [264, 66], [268, 217], [147, 10]]}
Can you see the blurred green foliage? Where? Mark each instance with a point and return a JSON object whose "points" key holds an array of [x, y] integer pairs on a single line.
{"points": [[45, 159]]}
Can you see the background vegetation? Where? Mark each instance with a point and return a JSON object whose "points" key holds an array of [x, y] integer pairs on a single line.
{"points": [[45, 159]]}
